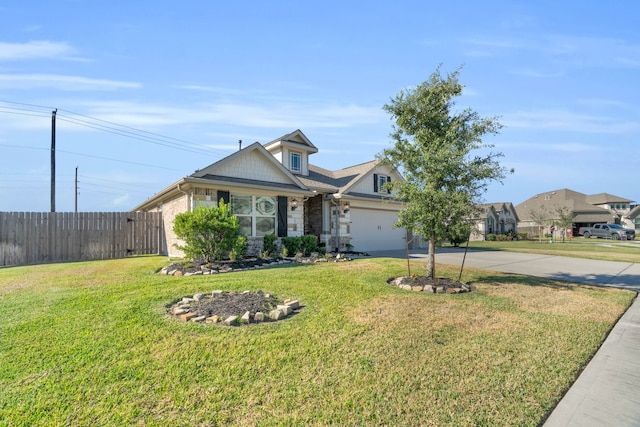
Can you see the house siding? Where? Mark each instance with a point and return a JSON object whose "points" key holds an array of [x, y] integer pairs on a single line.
{"points": [[253, 166]]}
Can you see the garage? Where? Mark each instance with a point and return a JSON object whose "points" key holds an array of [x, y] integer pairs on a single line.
{"points": [[372, 230]]}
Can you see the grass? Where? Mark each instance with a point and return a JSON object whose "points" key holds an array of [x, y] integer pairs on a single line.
{"points": [[90, 344], [608, 250]]}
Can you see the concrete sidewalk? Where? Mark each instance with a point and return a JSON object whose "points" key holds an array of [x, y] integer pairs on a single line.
{"points": [[607, 392]]}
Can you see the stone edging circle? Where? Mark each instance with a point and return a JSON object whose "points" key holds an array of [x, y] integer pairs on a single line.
{"points": [[422, 284], [189, 309]]}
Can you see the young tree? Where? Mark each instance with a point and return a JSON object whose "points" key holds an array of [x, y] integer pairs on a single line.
{"points": [[208, 232], [564, 219], [541, 217], [433, 149]]}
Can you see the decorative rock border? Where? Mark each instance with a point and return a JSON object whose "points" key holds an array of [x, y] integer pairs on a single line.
{"points": [[186, 309], [422, 284], [178, 269]]}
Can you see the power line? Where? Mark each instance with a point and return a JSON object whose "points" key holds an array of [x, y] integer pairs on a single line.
{"points": [[112, 127]]}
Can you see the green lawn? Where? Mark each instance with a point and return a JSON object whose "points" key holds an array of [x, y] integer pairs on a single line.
{"points": [[608, 250], [90, 344]]}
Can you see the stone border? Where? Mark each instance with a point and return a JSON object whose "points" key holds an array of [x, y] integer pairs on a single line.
{"points": [[408, 283], [182, 310], [177, 269]]}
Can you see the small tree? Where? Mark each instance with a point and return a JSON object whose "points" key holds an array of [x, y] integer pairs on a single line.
{"points": [[208, 232], [564, 219], [433, 147], [541, 217], [458, 232]]}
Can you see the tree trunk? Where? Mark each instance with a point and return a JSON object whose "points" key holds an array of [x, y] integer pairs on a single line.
{"points": [[431, 260]]}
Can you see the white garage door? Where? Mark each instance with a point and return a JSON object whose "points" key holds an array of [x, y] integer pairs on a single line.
{"points": [[372, 230]]}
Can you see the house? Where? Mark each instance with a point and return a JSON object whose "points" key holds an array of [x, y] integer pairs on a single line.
{"points": [[587, 209], [273, 188], [495, 218], [632, 219]]}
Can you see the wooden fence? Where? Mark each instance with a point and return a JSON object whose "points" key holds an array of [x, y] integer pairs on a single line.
{"points": [[44, 237]]}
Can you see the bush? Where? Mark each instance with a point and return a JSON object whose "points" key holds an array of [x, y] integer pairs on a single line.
{"points": [[239, 248], [309, 243], [490, 237], [292, 244], [208, 232], [523, 236], [269, 245]]}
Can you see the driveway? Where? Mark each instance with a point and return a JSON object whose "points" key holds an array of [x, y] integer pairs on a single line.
{"points": [[600, 273]]}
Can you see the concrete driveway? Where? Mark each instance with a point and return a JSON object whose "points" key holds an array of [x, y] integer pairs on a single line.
{"points": [[600, 273]]}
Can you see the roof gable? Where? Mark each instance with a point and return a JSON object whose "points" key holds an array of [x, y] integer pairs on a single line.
{"points": [[296, 140], [251, 163]]}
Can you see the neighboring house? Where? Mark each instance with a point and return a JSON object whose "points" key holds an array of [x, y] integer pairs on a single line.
{"points": [[273, 188], [587, 210], [619, 207], [632, 219], [495, 218]]}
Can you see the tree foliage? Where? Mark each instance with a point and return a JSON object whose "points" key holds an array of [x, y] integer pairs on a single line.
{"points": [[209, 233], [436, 149], [564, 219], [542, 217]]}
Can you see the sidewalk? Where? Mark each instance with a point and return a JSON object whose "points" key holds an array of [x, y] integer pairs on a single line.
{"points": [[607, 392]]}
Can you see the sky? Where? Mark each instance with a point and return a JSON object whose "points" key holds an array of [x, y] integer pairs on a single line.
{"points": [[147, 92]]}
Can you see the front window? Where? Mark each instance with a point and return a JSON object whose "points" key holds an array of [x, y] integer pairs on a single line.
{"points": [[256, 214], [382, 180], [296, 161]]}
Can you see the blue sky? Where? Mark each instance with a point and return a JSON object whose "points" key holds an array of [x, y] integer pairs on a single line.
{"points": [[149, 91]]}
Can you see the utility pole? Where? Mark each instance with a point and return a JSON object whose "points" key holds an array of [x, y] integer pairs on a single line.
{"points": [[53, 160], [76, 189]]}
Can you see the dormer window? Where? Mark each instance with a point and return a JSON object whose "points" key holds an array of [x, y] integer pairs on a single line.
{"points": [[295, 162], [379, 182]]}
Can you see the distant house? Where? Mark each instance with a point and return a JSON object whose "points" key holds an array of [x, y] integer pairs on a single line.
{"points": [[632, 219], [495, 218], [274, 189], [587, 209]]}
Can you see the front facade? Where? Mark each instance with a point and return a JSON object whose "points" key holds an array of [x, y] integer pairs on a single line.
{"points": [[274, 189], [495, 218], [587, 209]]}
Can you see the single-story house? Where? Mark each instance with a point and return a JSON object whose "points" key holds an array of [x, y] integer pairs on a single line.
{"points": [[494, 218], [274, 189], [587, 209]]}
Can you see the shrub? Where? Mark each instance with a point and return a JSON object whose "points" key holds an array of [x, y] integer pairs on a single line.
{"points": [[269, 245], [292, 244], [239, 248], [309, 243], [208, 232], [490, 237], [523, 236]]}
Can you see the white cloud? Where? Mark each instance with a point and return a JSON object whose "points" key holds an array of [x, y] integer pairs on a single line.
{"points": [[37, 49], [237, 114], [574, 51], [61, 82], [567, 121]]}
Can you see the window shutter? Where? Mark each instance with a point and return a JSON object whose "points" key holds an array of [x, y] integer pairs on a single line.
{"points": [[282, 216], [375, 182], [224, 195], [388, 189]]}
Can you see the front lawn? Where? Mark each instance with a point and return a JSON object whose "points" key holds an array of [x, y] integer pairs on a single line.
{"points": [[602, 249], [90, 344]]}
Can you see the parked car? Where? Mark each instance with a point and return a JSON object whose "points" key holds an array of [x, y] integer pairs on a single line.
{"points": [[608, 231]]}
